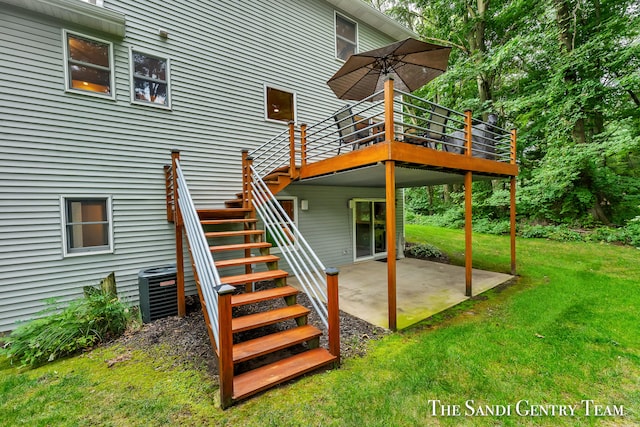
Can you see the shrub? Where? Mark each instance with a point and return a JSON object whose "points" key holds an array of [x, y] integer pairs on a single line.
{"points": [[424, 251], [82, 324]]}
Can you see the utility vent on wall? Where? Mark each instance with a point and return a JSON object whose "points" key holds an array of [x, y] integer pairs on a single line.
{"points": [[158, 292]]}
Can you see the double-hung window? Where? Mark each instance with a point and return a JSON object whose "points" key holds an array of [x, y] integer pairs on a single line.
{"points": [[88, 65], [346, 37], [87, 224], [149, 79]]}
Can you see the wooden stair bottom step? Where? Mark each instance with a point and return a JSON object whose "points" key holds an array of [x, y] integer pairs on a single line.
{"points": [[259, 296], [257, 320], [271, 343], [267, 376], [244, 261], [254, 277]]}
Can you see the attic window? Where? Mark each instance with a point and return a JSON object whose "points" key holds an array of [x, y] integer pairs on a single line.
{"points": [[346, 37], [89, 65]]}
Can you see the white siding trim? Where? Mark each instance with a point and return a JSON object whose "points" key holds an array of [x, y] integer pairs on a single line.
{"points": [[112, 76], [63, 224]]}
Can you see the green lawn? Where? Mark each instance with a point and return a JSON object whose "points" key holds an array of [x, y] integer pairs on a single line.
{"points": [[567, 333]]}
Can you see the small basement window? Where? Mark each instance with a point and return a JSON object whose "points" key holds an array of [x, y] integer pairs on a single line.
{"points": [[280, 105], [87, 225], [88, 65], [149, 79]]}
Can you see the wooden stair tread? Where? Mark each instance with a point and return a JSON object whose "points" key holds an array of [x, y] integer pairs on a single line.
{"points": [[239, 246], [271, 343], [267, 294], [211, 234], [244, 261], [254, 277], [257, 320], [260, 379], [222, 213], [228, 221]]}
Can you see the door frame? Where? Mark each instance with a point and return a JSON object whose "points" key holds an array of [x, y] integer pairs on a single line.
{"points": [[353, 203]]}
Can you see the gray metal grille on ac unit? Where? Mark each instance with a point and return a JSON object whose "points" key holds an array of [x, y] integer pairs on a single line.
{"points": [[158, 292]]}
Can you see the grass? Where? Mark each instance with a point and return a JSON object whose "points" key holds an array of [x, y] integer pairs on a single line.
{"points": [[565, 333]]}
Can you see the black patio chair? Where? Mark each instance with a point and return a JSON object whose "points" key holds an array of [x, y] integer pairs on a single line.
{"points": [[348, 131]]}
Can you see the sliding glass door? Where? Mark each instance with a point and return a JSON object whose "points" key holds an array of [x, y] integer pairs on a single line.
{"points": [[369, 229]]}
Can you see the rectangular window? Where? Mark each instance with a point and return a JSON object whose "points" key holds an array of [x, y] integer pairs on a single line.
{"points": [[87, 225], [280, 105], [346, 37], [149, 79], [88, 65]]}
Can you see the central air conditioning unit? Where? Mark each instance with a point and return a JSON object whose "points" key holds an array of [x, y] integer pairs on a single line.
{"points": [[158, 292]]}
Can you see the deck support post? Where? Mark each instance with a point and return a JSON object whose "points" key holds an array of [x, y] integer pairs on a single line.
{"points": [[179, 227], [468, 230], [512, 205], [333, 312], [225, 348], [390, 221]]}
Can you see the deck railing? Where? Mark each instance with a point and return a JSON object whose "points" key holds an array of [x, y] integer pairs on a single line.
{"points": [[207, 277], [302, 260]]}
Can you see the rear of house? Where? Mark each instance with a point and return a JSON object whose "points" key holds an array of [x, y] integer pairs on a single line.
{"points": [[96, 94]]}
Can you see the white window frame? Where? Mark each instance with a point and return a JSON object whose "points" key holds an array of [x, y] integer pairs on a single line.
{"points": [[335, 33], [375, 255], [296, 208], [132, 76], [66, 252], [266, 106], [67, 86]]}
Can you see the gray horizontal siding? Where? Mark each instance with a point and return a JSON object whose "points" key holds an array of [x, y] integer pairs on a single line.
{"points": [[56, 143]]}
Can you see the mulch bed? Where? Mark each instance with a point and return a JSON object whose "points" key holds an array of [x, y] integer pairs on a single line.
{"points": [[186, 340]]}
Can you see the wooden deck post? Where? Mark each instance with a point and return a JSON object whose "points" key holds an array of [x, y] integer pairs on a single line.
{"points": [[391, 241], [292, 149], [225, 348], [334, 312], [468, 229], [512, 205], [388, 109], [303, 145], [247, 203], [179, 227]]}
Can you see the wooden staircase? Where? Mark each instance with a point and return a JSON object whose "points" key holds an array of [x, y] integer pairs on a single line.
{"points": [[272, 341]]}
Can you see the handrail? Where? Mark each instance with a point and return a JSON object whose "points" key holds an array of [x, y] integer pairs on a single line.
{"points": [[302, 260], [273, 153], [199, 249]]}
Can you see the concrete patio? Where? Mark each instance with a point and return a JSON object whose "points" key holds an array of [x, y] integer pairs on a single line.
{"points": [[424, 288]]}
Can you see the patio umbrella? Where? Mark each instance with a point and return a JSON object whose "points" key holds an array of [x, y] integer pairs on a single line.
{"points": [[411, 62]]}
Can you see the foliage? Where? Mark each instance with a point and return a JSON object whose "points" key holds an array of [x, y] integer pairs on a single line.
{"points": [[63, 331], [423, 251], [565, 74]]}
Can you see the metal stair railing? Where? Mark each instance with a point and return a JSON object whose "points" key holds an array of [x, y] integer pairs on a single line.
{"points": [[273, 153], [302, 260], [199, 248]]}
